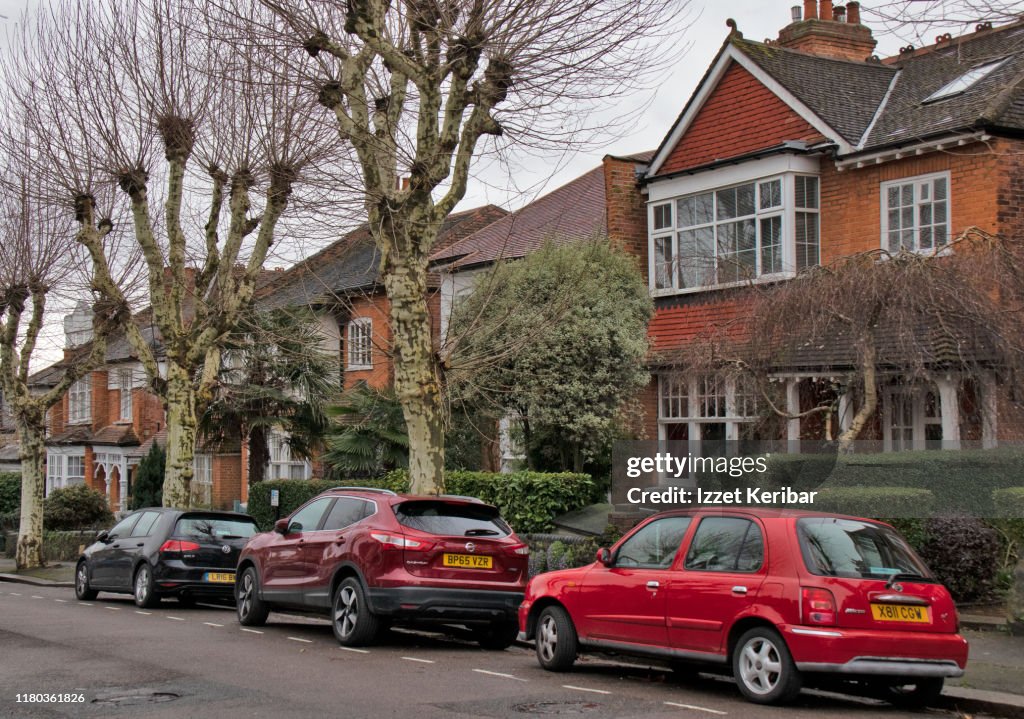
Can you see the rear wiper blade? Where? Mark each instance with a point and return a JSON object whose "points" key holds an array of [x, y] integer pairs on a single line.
{"points": [[482, 533], [231, 536], [906, 576]]}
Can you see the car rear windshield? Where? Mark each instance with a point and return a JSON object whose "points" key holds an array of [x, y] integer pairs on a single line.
{"points": [[461, 520], [215, 528], [835, 547]]}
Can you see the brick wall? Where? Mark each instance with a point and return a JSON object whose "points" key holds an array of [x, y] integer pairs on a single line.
{"points": [[626, 209], [375, 307], [227, 480], [739, 116]]}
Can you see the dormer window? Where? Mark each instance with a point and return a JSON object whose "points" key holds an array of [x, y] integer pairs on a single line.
{"points": [[762, 229]]}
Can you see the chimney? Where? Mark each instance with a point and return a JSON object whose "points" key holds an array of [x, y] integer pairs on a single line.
{"points": [[829, 31]]}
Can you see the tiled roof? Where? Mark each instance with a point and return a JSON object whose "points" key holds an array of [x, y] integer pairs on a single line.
{"points": [[575, 211], [78, 434], [353, 263], [119, 435]]}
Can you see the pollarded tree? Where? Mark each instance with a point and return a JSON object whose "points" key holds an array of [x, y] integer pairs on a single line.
{"points": [[559, 339], [421, 87], [170, 103]]}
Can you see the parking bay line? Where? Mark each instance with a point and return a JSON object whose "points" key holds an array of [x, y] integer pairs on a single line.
{"points": [[417, 659], [15, 594], [139, 611], [300, 639], [36, 596], [113, 609], [585, 689], [696, 708], [251, 631], [356, 651], [499, 674], [213, 624], [62, 601]]}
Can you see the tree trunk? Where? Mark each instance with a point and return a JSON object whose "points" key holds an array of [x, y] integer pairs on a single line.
{"points": [[31, 435], [259, 454], [181, 437], [417, 375], [867, 410]]}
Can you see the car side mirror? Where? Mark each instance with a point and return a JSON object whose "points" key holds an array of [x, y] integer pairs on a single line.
{"points": [[604, 556], [281, 526], [103, 536]]}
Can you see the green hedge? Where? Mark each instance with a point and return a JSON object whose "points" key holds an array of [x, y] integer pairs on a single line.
{"points": [[528, 500], [875, 502], [10, 492], [1009, 502], [76, 507]]}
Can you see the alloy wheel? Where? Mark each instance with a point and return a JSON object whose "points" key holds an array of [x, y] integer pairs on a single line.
{"points": [[547, 638], [346, 611], [245, 592], [760, 665]]}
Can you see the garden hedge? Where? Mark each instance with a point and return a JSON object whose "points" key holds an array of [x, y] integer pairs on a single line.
{"points": [[1009, 502], [10, 492], [875, 502], [528, 500]]}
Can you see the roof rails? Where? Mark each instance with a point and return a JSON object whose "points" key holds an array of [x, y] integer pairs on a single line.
{"points": [[461, 496], [363, 489]]}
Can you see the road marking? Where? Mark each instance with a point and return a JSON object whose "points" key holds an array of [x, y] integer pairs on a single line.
{"points": [[177, 619], [251, 631], [696, 708], [62, 601], [499, 674], [357, 651], [36, 596], [300, 639], [584, 689], [138, 611], [417, 659], [15, 594], [86, 604], [113, 609], [213, 624]]}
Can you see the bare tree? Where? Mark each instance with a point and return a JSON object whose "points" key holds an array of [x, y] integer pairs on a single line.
{"points": [[419, 88], [207, 144], [921, 21]]}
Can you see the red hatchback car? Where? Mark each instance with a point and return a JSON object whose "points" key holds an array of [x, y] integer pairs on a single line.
{"points": [[776, 596], [372, 557]]}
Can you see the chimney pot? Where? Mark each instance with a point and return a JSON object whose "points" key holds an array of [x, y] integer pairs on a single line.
{"points": [[853, 13], [839, 13], [810, 9], [825, 11], [794, 13]]}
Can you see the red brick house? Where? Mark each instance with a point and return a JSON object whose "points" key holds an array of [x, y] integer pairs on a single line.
{"points": [[799, 150]]}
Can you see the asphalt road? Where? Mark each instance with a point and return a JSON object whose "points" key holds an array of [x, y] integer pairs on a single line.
{"points": [[177, 662]]}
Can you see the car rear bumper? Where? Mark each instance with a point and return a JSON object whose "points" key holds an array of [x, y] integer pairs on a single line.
{"points": [[873, 653], [171, 580], [445, 604]]}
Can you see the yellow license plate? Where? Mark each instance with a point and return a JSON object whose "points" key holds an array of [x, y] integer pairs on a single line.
{"points": [[900, 613], [467, 561], [221, 577]]}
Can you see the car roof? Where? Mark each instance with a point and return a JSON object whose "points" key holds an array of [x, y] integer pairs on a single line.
{"points": [[396, 498], [759, 512]]}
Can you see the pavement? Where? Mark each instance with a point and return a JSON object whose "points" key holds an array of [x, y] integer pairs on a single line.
{"points": [[991, 685]]}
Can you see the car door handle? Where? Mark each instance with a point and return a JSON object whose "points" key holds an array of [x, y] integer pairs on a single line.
{"points": [[339, 540], [141, 544], [739, 589], [653, 585]]}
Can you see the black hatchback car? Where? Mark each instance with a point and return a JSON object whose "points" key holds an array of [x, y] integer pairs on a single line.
{"points": [[157, 552]]}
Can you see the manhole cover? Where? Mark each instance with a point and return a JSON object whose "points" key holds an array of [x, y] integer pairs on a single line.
{"points": [[557, 707], [134, 697]]}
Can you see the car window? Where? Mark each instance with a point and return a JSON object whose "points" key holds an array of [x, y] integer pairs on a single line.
{"points": [[726, 544], [216, 528], [654, 545], [347, 511], [851, 548], [458, 520], [145, 524], [124, 527], [308, 518]]}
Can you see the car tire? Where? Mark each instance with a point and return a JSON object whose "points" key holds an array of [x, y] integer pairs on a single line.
{"points": [[82, 590], [143, 587], [251, 610], [556, 640], [920, 693], [763, 667], [353, 623], [498, 635]]}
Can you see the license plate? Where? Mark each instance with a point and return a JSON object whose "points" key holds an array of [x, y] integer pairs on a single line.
{"points": [[900, 613], [467, 561], [220, 577]]}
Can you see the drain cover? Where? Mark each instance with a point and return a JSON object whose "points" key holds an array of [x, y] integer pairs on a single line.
{"points": [[557, 707], [133, 697]]}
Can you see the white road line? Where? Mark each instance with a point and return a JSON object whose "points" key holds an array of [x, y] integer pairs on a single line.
{"points": [[417, 659], [15, 594], [499, 674], [113, 609], [213, 624], [357, 651], [36, 596], [62, 601], [300, 639], [86, 604], [584, 689], [696, 708], [251, 631], [177, 619]]}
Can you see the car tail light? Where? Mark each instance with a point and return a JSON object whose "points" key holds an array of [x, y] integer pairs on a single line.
{"points": [[523, 550], [819, 606], [399, 541], [176, 545]]}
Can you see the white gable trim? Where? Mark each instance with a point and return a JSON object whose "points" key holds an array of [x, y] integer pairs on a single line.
{"points": [[729, 55]]}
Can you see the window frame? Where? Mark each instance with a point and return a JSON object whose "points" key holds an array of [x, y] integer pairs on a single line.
{"points": [[751, 523], [359, 338], [80, 400], [917, 181], [280, 462], [125, 383]]}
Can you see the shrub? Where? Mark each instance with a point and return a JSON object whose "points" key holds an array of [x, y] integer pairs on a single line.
{"points": [[876, 502], [10, 492], [293, 493], [148, 483], [964, 554], [76, 507], [1009, 502]]}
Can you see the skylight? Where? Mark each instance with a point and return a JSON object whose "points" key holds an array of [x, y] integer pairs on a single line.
{"points": [[965, 81]]}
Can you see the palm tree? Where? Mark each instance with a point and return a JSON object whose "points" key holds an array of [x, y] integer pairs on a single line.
{"points": [[275, 374], [369, 436]]}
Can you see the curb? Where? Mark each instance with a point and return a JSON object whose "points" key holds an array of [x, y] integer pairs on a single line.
{"points": [[981, 623], [19, 579], [962, 699]]}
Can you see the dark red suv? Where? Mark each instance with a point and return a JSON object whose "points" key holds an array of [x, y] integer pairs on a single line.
{"points": [[372, 557], [777, 597]]}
